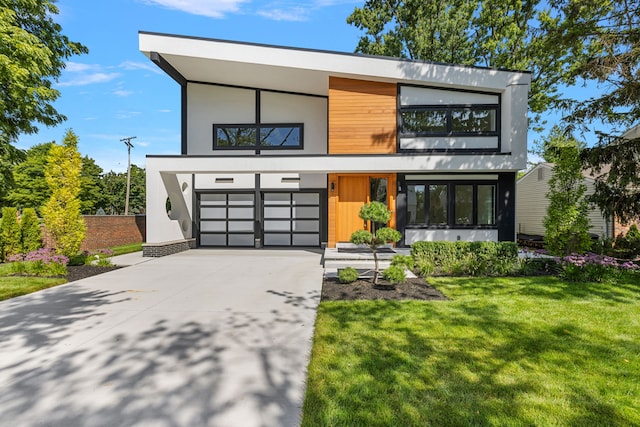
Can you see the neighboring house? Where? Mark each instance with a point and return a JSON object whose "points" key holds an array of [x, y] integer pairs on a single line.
{"points": [[282, 146], [532, 204]]}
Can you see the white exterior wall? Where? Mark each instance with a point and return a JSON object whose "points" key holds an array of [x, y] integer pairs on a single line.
{"points": [[532, 204], [287, 108], [209, 104], [442, 142], [415, 235]]}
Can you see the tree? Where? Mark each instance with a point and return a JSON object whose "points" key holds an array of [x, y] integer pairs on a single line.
{"points": [[615, 65], [92, 195], [30, 233], [33, 52], [31, 189], [115, 187], [61, 213], [10, 233], [567, 222], [519, 35], [375, 213]]}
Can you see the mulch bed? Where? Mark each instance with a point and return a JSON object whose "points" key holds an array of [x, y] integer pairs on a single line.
{"points": [[412, 289], [78, 272]]}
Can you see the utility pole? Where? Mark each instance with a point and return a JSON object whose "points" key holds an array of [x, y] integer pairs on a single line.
{"points": [[127, 142]]}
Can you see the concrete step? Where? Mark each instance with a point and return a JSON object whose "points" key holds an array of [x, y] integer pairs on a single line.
{"points": [[342, 263]]}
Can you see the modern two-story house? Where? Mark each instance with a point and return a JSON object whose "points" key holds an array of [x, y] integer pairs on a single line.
{"points": [[282, 146]]}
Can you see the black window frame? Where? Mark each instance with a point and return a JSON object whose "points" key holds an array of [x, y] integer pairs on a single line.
{"points": [[451, 220], [448, 109], [258, 127]]}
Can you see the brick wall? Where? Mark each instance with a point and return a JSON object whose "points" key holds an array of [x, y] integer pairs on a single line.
{"points": [[105, 231]]}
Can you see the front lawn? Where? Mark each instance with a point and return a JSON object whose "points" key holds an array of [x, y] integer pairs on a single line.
{"points": [[503, 352], [14, 286]]}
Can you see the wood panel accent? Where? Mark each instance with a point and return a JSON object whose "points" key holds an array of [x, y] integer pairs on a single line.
{"points": [[350, 191], [362, 116]]}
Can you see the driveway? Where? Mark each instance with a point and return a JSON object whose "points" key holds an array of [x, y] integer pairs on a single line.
{"points": [[200, 338]]}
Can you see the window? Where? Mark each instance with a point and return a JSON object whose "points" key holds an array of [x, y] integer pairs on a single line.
{"points": [[452, 204], [262, 136], [453, 120]]}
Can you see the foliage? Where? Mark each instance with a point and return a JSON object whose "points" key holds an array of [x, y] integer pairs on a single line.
{"points": [[347, 275], [492, 33], [394, 274], [115, 187], [10, 158], [61, 213], [42, 262], [627, 246], [566, 222], [593, 268], [465, 258], [33, 53], [403, 261], [10, 232], [92, 195], [510, 351], [31, 189], [375, 212], [30, 232]]}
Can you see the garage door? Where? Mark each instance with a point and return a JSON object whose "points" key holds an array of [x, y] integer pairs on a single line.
{"points": [[291, 219], [226, 219]]}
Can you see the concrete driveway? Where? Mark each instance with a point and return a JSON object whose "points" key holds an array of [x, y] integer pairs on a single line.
{"points": [[200, 338]]}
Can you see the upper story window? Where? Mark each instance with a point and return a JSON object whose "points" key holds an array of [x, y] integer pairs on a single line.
{"points": [[449, 120], [262, 136]]}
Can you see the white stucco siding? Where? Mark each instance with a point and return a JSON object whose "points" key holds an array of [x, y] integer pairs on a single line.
{"points": [[411, 95], [514, 118], [209, 105], [225, 181], [412, 235], [442, 142], [311, 111], [292, 181]]}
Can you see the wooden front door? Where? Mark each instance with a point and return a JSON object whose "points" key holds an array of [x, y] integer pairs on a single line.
{"points": [[352, 192]]}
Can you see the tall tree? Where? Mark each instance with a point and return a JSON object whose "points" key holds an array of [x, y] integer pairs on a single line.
{"points": [[32, 56], [61, 213], [566, 223], [517, 34], [92, 195], [115, 187], [31, 189]]}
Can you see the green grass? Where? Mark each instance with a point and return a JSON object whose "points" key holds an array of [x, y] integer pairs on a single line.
{"points": [[126, 249], [503, 352], [11, 287]]}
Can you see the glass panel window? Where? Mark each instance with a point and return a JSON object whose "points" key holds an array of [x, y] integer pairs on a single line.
{"points": [[415, 204], [415, 121], [438, 204], [473, 120], [236, 137], [463, 206], [281, 136], [486, 204], [378, 190]]}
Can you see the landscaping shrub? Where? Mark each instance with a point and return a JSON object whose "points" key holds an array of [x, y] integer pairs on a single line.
{"points": [[593, 268], [42, 262], [627, 246], [403, 261], [465, 258], [30, 233], [394, 274], [10, 232], [348, 275]]}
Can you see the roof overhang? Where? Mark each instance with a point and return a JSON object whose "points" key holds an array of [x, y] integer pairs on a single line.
{"points": [[304, 70]]}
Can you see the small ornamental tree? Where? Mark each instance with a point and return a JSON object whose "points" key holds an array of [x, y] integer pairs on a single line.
{"points": [[10, 231], [31, 235], [376, 213], [61, 214]]}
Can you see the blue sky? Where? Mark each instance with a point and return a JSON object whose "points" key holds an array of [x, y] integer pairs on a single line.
{"points": [[115, 91]]}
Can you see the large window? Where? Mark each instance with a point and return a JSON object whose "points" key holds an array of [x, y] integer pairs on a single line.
{"points": [[451, 204], [449, 120], [263, 136]]}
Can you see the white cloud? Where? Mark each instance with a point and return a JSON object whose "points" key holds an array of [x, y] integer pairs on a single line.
{"points": [[77, 74], [133, 65], [127, 114], [164, 111], [212, 9], [295, 13], [122, 92]]}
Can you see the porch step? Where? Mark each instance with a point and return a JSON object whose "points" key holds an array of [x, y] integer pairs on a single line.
{"points": [[368, 264]]}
